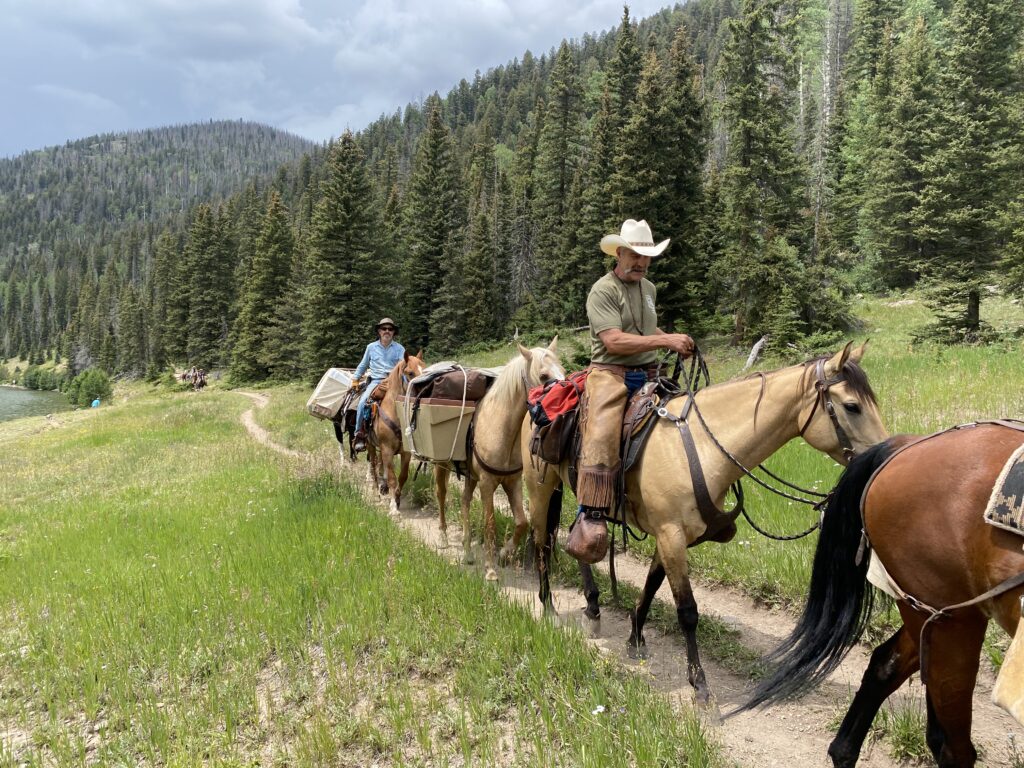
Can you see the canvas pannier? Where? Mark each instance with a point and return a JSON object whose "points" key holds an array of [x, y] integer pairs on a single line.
{"points": [[437, 408], [327, 398]]}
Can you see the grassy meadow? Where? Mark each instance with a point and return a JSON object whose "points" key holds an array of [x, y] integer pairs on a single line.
{"points": [[176, 594]]}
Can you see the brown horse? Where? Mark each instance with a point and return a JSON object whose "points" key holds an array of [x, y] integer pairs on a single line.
{"points": [[751, 418], [923, 517], [495, 458], [385, 434]]}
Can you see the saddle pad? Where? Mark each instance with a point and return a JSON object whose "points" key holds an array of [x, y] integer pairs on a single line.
{"points": [[1005, 507]]}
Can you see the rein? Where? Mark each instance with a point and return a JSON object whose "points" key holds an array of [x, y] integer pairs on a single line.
{"points": [[821, 386]]}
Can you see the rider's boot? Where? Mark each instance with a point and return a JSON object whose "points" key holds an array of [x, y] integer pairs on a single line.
{"points": [[360, 442]]}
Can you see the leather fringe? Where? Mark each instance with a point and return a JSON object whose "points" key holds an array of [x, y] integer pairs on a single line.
{"points": [[596, 486]]}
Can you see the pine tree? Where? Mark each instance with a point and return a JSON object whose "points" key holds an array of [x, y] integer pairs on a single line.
{"points": [[131, 333], [762, 179], [969, 175], [682, 275], [433, 218], [209, 279], [283, 351], [593, 217], [343, 264], [624, 71], [268, 274], [904, 116], [558, 155]]}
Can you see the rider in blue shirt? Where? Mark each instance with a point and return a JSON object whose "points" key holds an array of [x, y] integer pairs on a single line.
{"points": [[380, 357]]}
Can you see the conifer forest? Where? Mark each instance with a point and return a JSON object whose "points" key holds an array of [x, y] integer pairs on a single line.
{"points": [[796, 151]]}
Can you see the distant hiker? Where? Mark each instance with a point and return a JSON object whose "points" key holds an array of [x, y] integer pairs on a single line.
{"points": [[379, 358], [624, 340]]}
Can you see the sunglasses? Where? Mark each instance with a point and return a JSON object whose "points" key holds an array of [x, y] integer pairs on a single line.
{"points": [[387, 328]]}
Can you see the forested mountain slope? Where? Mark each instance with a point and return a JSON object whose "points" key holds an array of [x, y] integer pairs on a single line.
{"points": [[101, 182], [794, 150]]}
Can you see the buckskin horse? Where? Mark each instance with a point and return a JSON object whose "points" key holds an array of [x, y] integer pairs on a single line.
{"points": [[827, 401], [494, 460], [918, 503], [385, 435]]}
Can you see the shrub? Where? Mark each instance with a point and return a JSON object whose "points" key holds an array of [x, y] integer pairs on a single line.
{"points": [[90, 384]]}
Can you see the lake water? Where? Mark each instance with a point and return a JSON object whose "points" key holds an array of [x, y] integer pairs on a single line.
{"points": [[17, 403]]}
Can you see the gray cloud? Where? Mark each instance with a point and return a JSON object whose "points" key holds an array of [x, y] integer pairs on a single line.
{"points": [[314, 67]]}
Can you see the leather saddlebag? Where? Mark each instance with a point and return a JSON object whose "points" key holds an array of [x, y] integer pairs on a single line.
{"points": [[553, 442]]}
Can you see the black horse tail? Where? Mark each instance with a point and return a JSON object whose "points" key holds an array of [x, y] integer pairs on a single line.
{"points": [[839, 599]]}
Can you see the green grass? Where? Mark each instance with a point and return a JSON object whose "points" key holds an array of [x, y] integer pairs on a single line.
{"points": [[173, 596]]}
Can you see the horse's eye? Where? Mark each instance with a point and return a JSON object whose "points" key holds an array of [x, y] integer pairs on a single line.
{"points": [[544, 378], [852, 407]]}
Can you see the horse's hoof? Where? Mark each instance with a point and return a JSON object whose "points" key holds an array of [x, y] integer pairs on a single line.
{"points": [[491, 575], [393, 510], [467, 557], [505, 555], [443, 540], [709, 710], [383, 490], [637, 652], [592, 614]]}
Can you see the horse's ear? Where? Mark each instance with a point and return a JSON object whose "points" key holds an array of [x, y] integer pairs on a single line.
{"points": [[858, 352], [525, 352], [553, 346], [405, 356], [838, 360], [419, 353]]}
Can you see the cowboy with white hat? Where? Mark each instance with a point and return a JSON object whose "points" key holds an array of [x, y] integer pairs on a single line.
{"points": [[379, 358], [624, 342]]}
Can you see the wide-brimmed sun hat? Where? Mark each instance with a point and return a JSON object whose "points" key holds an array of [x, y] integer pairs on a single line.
{"points": [[387, 321], [635, 235]]}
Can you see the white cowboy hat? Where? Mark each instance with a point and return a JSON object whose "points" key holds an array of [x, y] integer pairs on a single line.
{"points": [[635, 235]]}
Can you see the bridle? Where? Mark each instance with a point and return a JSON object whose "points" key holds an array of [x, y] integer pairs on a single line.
{"points": [[821, 386], [698, 371]]}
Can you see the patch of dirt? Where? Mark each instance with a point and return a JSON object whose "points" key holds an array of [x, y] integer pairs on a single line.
{"points": [[788, 735]]}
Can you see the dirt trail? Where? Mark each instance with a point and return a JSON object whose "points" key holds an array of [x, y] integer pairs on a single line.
{"points": [[787, 736]]}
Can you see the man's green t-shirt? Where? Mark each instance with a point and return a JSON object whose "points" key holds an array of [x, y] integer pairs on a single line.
{"points": [[630, 307]]}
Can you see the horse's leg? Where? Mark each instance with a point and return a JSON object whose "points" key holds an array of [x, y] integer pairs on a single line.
{"points": [[404, 457], [487, 488], [891, 664], [389, 480], [590, 592], [441, 474], [953, 656], [545, 515], [465, 502], [672, 552], [513, 486], [636, 646]]}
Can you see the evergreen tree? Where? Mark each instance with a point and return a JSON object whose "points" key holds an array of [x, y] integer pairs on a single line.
{"points": [[904, 116], [624, 71], [583, 262], [969, 175], [268, 274], [558, 155], [283, 351], [131, 333], [209, 278], [433, 218], [762, 179], [343, 264]]}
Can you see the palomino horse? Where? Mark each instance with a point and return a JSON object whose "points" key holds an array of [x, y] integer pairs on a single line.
{"points": [[495, 458], [385, 435], [751, 418], [923, 516]]}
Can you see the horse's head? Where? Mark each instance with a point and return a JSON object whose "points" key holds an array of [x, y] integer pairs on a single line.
{"points": [[840, 416], [542, 364], [411, 366]]}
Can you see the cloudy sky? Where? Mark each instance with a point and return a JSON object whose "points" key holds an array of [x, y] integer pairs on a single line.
{"points": [[74, 68]]}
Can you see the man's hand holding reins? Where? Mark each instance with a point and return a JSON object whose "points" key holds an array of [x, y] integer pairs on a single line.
{"points": [[679, 343]]}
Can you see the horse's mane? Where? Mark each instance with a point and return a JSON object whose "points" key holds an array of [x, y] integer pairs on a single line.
{"points": [[504, 391], [855, 377]]}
